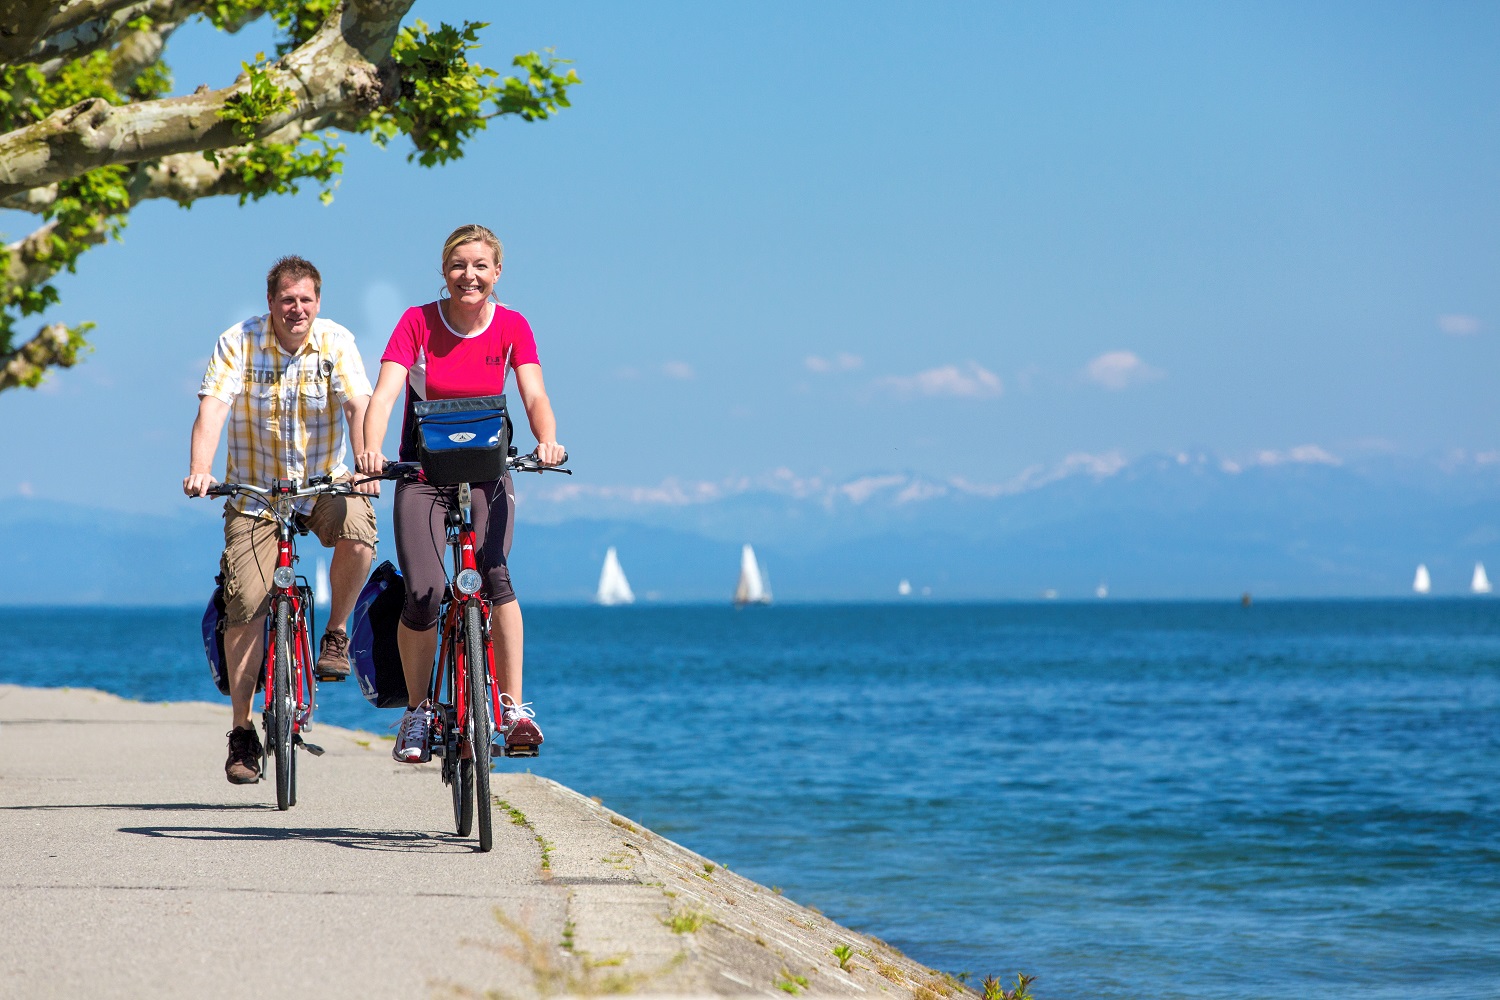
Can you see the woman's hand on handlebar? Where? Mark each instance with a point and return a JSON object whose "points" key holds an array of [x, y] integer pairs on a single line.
{"points": [[370, 463], [550, 453], [196, 484]]}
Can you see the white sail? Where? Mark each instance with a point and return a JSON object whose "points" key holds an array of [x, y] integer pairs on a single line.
{"points": [[753, 587], [613, 587], [1101, 591], [322, 591], [904, 588], [1481, 582], [1422, 583]]}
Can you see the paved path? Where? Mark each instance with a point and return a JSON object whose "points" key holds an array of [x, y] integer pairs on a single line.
{"points": [[132, 869]]}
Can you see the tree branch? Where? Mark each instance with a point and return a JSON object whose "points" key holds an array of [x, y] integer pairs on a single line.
{"points": [[76, 12], [22, 24], [54, 346], [138, 50], [335, 70], [36, 200], [57, 50], [183, 177]]}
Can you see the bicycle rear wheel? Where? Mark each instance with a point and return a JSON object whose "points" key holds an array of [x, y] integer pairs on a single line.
{"points": [[460, 777], [280, 734], [479, 712]]}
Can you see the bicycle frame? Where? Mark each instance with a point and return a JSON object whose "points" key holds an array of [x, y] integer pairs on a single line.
{"points": [[462, 737], [451, 650], [304, 688], [290, 697]]}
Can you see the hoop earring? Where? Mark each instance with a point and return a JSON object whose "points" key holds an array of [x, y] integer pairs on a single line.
{"points": [[443, 295]]}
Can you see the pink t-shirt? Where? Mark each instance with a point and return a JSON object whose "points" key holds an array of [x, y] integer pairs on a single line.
{"points": [[443, 364]]}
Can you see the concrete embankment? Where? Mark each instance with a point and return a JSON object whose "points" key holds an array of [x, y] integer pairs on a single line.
{"points": [[132, 869]]}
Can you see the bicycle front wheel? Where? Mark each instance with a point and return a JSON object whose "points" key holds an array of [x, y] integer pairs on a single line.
{"points": [[482, 728], [280, 735]]}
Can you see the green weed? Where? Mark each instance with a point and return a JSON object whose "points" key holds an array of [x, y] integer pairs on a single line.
{"points": [[686, 921], [993, 990], [787, 982]]}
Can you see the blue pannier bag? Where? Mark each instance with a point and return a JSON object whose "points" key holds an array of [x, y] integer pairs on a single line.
{"points": [[213, 640], [462, 440], [372, 640]]}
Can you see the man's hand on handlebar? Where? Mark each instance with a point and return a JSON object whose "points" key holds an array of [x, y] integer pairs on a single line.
{"points": [[197, 483]]}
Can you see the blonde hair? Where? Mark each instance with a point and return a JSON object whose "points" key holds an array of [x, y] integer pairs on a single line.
{"points": [[472, 233]]}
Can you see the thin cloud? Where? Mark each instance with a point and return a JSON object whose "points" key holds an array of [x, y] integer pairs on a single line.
{"points": [[1079, 463], [1458, 325], [679, 370], [1302, 454], [1119, 370], [948, 380], [841, 362], [864, 488]]}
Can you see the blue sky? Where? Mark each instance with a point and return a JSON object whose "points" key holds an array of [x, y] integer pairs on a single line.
{"points": [[847, 239]]}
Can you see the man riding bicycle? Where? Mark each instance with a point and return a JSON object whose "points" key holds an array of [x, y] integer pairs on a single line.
{"points": [[272, 379]]}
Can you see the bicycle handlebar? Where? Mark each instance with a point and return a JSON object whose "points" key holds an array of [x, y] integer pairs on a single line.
{"points": [[314, 488], [406, 470], [529, 463]]}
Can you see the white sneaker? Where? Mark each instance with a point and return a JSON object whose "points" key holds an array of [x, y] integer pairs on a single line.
{"points": [[411, 737]]}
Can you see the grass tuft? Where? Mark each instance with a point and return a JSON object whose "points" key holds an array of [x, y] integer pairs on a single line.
{"points": [[994, 990], [686, 921], [789, 982]]}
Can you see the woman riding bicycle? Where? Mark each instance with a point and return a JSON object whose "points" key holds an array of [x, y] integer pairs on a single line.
{"points": [[458, 347]]}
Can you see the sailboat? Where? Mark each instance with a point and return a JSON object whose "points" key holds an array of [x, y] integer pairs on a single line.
{"points": [[613, 587], [1101, 591], [1422, 583], [322, 591], [904, 588], [753, 588], [1481, 582]]}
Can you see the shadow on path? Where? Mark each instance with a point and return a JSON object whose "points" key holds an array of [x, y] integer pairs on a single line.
{"points": [[363, 840], [150, 806]]}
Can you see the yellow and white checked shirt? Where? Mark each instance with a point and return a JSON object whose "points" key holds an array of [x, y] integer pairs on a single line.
{"points": [[285, 416]]}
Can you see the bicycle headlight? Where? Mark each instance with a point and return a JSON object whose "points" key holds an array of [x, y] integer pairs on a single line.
{"points": [[468, 581], [284, 577]]}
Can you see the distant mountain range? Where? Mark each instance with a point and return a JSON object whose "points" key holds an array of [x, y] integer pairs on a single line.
{"points": [[1175, 526]]}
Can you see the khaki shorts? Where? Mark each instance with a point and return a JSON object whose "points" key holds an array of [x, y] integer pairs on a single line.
{"points": [[250, 550]]}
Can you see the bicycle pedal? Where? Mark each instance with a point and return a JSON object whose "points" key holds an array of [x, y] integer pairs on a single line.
{"points": [[311, 748], [332, 678], [522, 751]]}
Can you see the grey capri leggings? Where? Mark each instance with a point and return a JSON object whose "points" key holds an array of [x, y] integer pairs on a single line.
{"points": [[422, 545]]}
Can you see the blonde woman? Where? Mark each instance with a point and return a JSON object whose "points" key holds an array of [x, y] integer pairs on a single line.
{"points": [[456, 347]]}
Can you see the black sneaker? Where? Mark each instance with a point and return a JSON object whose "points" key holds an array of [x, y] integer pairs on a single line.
{"points": [[243, 765]]}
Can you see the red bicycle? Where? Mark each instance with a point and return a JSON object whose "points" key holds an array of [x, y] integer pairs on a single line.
{"points": [[291, 687], [463, 727]]}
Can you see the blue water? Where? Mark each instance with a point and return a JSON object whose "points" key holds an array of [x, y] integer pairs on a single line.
{"points": [[1126, 800]]}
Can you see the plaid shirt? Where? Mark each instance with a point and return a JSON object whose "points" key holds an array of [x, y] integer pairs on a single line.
{"points": [[283, 422]]}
